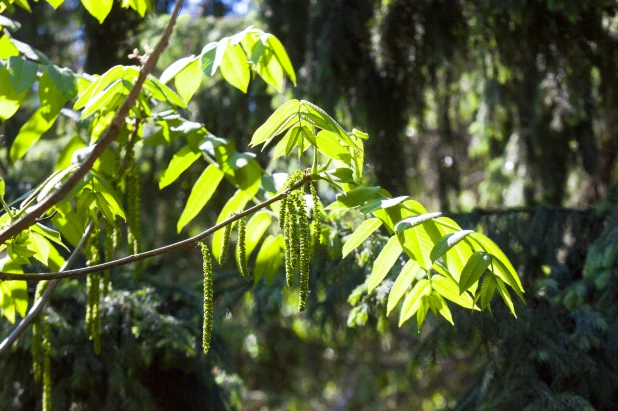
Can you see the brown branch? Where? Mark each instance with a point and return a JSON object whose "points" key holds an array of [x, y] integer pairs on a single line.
{"points": [[38, 305], [152, 253], [111, 134]]}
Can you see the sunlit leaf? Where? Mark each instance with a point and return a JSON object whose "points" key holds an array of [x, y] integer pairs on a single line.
{"points": [[406, 277], [449, 289], [181, 161], [474, 269], [202, 191], [384, 262], [360, 234], [413, 300]]}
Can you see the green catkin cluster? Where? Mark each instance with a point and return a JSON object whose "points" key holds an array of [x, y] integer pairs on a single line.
{"points": [[304, 250], [93, 313], [208, 298], [242, 248], [287, 222], [46, 365], [36, 346], [134, 236], [227, 232], [316, 227]]}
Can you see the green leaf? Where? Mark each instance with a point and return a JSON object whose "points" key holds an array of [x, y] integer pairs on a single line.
{"points": [[104, 208], [269, 259], [488, 287], [381, 203], [202, 191], [411, 222], [413, 300], [10, 100], [418, 242], [207, 58], [41, 247], [449, 289], [99, 9], [175, 68], [221, 47], [440, 305], [181, 161], [7, 48], [103, 187], [282, 57], [386, 259], [504, 293], [64, 80], [2, 186], [406, 277], [360, 235], [234, 205], [256, 227], [421, 314], [235, 67], [356, 196], [48, 233], [69, 227], [447, 242], [189, 79], [267, 65], [456, 257], [22, 73], [106, 99], [273, 125], [320, 118], [501, 266], [52, 101], [55, 3], [474, 269], [158, 90], [100, 84], [329, 145]]}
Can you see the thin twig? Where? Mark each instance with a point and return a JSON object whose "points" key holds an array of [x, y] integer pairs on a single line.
{"points": [[152, 253], [38, 305], [111, 134]]}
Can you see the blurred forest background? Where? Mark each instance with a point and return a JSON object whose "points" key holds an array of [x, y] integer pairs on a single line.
{"points": [[501, 114]]}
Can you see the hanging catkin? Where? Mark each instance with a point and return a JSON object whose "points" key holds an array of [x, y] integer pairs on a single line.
{"points": [[36, 347], [317, 217], [134, 236], [304, 252], [242, 248], [225, 245], [289, 234], [93, 315], [208, 298], [295, 233], [110, 236], [46, 365]]}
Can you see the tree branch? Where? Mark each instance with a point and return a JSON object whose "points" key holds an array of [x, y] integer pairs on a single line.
{"points": [[111, 134], [38, 305], [152, 253]]}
